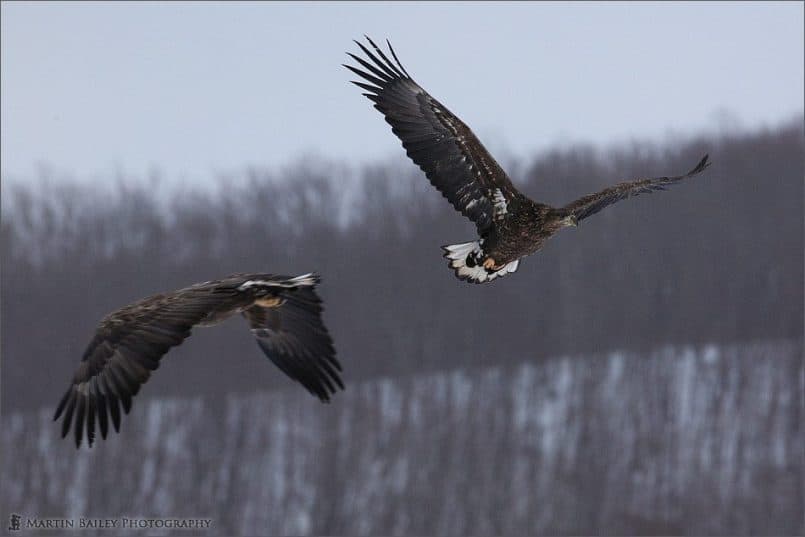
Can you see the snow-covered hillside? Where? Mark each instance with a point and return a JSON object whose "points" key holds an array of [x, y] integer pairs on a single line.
{"points": [[704, 440]]}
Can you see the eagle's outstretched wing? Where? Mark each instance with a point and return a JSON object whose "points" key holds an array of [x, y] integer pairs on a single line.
{"points": [[591, 204], [294, 337], [127, 346], [130, 342], [452, 157]]}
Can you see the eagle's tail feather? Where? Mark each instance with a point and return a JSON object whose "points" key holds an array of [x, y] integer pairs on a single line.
{"points": [[467, 258], [283, 282], [305, 280]]}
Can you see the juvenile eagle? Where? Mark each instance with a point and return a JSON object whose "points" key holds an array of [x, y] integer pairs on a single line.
{"points": [[284, 315], [510, 225]]}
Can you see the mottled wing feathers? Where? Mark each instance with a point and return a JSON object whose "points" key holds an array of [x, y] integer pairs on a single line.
{"points": [[294, 337], [126, 347], [591, 204], [284, 314], [452, 157]]}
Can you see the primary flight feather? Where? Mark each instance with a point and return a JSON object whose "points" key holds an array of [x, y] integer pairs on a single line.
{"points": [[510, 225]]}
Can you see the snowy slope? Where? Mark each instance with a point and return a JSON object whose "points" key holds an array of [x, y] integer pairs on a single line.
{"points": [[680, 440]]}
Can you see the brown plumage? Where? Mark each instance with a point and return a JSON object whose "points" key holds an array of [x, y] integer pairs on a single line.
{"points": [[284, 315], [510, 225]]}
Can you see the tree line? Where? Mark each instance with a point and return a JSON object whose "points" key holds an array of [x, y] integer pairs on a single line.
{"points": [[716, 259]]}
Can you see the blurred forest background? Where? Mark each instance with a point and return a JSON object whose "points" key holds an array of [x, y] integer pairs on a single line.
{"points": [[656, 350]]}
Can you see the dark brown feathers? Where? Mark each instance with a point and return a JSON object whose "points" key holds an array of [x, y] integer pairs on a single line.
{"points": [[452, 157], [295, 339], [510, 225], [591, 204], [130, 342]]}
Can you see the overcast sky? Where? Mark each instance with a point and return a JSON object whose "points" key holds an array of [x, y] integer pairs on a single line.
{"points": [[198, 88]]}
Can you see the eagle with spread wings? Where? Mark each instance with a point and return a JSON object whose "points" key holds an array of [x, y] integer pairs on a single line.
{"points": [[283, 313], [510, 225]]}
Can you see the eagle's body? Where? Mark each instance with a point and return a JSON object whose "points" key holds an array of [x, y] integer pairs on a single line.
{"points": [[284, 315], [522, 231], [509, 224]]}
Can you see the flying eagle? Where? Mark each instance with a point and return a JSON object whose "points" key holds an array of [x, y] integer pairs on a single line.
{"points": [[284, 315], [510, 225]]}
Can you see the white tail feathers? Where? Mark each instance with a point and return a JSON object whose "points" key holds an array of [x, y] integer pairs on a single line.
{"points": [[466, 259], [305, 280]]}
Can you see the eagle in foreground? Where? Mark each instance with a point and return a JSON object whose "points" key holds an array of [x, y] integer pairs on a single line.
{"points": [[284, 315], [510, 225]]}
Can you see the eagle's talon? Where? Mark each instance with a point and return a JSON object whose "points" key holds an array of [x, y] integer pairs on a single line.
{"points": [[489, 264]]}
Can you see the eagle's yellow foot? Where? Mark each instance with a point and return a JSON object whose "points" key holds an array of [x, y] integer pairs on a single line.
{"points": [[489, 264]]}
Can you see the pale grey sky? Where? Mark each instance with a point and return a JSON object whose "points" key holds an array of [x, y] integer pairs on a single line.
{"points": [[197, 88]]}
